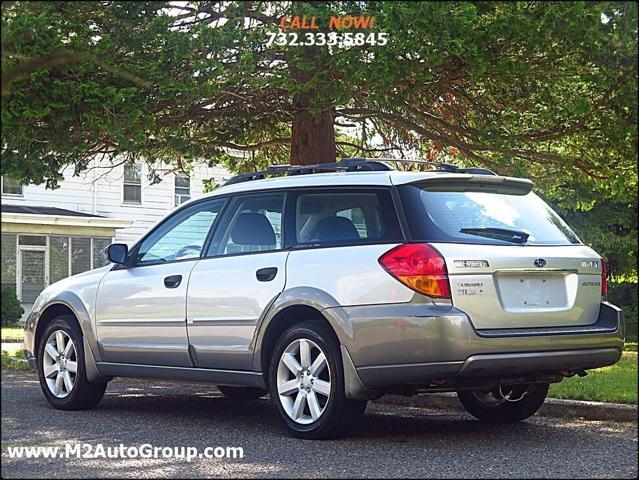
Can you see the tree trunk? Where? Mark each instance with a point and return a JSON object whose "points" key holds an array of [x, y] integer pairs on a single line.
{"points": [[312, 135], [313, 138]]}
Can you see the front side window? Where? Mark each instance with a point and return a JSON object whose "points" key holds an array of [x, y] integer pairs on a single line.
{"points": [[253, 224], [483, 218], [11, 186], [182, 188], [181, 237], [345, 218], [132, 187]]}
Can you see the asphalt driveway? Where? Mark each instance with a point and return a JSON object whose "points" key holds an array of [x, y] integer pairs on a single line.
{"points": [[390, 441]]}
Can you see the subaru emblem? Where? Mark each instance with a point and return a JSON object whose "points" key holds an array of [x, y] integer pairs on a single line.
{"points": [[539, 262]]}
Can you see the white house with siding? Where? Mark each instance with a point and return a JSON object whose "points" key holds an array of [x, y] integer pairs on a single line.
{"points": [[48, 235]]}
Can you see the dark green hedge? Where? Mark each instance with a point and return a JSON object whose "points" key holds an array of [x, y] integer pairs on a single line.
{"points": [[11, 308], [624, 295]]}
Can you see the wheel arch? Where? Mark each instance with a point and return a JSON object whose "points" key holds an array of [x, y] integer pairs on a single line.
{"points": [[295, 306], [297, 313], [70, 305], [281, 321], [50, 313]]}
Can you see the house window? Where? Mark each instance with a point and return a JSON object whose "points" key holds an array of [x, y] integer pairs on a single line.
{"points": [[80, 255], [11, 186], [182, 188], [99, 256], [30, 263], [132, 192], [58, 258], [9, 249], [33, 240]]}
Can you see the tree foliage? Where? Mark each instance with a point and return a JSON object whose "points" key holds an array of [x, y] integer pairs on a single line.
{"points": [[509, 85], [604, 215]]}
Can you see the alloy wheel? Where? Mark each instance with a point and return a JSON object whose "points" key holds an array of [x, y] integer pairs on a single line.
{"points": [[303, 381], [59, 362]]}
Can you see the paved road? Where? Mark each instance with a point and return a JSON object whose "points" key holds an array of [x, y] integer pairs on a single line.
{"points": [[390, 442]]}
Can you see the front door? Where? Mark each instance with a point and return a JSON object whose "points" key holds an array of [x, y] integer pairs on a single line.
{"points": [[141, 307], [31, 272], [231, 290]]}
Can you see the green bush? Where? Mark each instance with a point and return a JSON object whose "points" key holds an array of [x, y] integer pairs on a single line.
{"points": [[624, 295], [11, 309]]}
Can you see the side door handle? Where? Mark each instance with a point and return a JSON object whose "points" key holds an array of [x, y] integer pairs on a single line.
{"points": [[173, 281], [266, 274]]}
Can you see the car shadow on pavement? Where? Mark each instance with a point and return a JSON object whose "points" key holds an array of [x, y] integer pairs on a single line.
{"points": [[191, 404], [390, 440]]}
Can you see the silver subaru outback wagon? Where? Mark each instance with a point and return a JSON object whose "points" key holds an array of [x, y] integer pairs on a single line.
{"points": [[326, 290]]}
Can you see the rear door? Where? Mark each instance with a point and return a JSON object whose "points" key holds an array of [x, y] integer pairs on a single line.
{"points": [[512, 261], [231, 289]]}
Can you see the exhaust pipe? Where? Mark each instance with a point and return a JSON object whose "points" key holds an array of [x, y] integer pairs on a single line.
{"points": [[508, 396]]}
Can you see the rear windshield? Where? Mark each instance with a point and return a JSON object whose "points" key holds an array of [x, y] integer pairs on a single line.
{"points": [[483, 218]]}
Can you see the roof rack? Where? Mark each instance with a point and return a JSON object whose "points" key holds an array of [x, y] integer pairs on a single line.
{"points": [[354, 164], [446, 167]]}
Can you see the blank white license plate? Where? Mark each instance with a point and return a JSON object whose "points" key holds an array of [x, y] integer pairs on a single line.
{"points": [[523, 292]]}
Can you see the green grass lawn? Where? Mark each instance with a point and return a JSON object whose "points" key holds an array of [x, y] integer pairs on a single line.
{"points": [[617, 383], [12, 333]]}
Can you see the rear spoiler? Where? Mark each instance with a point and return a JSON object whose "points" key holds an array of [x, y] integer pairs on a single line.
{"points": [[476, 183]]}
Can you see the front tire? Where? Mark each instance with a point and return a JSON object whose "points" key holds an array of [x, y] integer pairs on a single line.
{"points": [[306, 383], [61, 367], [513, 404]]}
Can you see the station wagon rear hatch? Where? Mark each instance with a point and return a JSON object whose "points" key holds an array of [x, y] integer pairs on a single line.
{"points": [[512, 261]]}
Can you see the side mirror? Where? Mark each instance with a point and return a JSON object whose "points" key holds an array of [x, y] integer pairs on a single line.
{"points": [[117, 252]]}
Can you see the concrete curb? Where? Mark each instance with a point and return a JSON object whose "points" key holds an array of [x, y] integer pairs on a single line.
{"points": [[553, 407]]}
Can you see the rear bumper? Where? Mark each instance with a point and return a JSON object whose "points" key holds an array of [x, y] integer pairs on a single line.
{"points": [[447, 346], [498, 365], [514, 364]]}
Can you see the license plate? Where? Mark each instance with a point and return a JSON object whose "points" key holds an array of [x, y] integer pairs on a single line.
{"points": [[532, 292]]}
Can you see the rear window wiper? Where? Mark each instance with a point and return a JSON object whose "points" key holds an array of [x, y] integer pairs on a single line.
{"points": [[515, 236]]}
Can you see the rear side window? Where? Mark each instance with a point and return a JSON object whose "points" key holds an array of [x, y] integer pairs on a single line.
{"points": [[483, 218], [251, 224], [334, 217]]}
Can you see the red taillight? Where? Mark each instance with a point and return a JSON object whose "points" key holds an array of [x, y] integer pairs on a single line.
{"points": [[604, 279], [420, 267]]}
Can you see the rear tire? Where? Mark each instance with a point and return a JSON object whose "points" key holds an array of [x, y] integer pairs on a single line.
{"points": [[306, 383], [242, 393], [61, 367], [489, 406]]}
